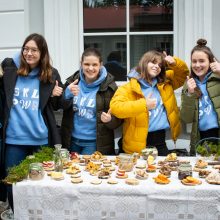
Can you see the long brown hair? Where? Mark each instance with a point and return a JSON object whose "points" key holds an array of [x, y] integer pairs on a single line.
{"points": [[44, 62], [151, 56]]}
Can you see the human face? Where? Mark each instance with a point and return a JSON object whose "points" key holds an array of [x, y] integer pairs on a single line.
{"points": [[200, 64], [154, 69], [91, 67], [31, 54]]}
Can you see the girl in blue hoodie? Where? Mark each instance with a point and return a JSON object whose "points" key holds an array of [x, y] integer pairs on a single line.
{"points": [[87, 124], [201, 95], [31, 90]]}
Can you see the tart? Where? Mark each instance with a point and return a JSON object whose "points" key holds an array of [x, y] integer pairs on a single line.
{"points": [[96, 181], [48, 165], [201, 164], [104, 173], [171, 157], [73, 170], [141, 174], [121, 174], [161, 179], [204, 173], [191, 181], [151, 168], [57, 176], [165, 170], [132, 182], [112, 181], [76, 180], [213, 177]]}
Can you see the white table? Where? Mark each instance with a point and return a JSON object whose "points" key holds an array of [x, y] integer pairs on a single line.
{"points": [[62, 200]]}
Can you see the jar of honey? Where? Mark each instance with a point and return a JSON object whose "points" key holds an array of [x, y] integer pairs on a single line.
{"points": [[184, 170], [126, 162]]}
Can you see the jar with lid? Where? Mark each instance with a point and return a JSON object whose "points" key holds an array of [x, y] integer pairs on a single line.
{"points": [[58, 165], [65, 156], [150, 150], [36, 171], [184, 170], [126, 162]]}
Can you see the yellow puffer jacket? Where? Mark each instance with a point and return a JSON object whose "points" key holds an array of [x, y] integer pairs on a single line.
{"points": [[129, 103]]}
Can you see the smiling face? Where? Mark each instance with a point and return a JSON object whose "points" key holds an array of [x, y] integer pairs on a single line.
{"points": [[200, 64], [91, 66], [154, 69], [31, 54]]}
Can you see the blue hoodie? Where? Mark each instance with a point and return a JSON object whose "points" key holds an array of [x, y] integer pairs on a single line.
{"points": [[26, 125], [158, 116], [207, 115], [84, 106]]}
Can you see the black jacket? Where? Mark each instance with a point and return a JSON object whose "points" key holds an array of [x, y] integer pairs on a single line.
{"points": [[104, 131], [47, 103]]}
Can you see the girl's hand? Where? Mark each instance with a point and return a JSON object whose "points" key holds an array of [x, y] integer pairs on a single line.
{"points": [[215, 66], [169, 59], [106, 117], [74, 88], [151, 102], [191, 85], [57, 90]]}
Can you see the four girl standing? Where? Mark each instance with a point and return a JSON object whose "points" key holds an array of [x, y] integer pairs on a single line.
{"points": [[147, 103]]}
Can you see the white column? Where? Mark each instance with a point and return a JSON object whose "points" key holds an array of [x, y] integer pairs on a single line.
{"points": [[193, 20], [215, 28], [61, 29]]}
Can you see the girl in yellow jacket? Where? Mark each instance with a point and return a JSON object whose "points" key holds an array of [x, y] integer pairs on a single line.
{"points": [[147, 102]]}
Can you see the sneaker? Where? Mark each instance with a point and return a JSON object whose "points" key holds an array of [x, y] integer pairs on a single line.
{"points": [[7, 215]]}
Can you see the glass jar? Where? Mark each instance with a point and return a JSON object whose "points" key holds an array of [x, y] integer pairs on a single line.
{"points": [[65, 156], [36, 171], [149, 151], [58, 164], [184, 170], [126, 162]]}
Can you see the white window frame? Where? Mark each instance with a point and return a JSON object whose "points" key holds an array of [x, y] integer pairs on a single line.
{"points": [[127, 33]]}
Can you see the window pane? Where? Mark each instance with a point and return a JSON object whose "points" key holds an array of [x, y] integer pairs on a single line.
{"points": [[104, 16], [154, 15], [114, 53], [141, 44]]}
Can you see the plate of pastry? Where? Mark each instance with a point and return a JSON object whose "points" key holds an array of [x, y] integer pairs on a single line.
{"points": [[191, 181]]}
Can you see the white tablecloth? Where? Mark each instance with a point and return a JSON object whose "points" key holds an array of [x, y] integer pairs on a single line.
{"points": [[62, 200]]}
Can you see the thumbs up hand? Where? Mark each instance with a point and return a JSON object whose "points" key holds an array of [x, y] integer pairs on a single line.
{"points": [[106, 117], [151, 102], [191, 85], [169, 59], [215, 66], [57, 90], [74, 88]]}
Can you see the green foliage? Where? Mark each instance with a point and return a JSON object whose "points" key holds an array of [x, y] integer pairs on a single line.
{"points": [[20, 172], [207, 149], [202, 150]]}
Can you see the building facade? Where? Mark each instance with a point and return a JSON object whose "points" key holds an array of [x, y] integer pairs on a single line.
{"points": [[129, 26]]}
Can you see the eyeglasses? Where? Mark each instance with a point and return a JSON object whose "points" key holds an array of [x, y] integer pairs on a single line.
{"points": [[32, 50]]}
